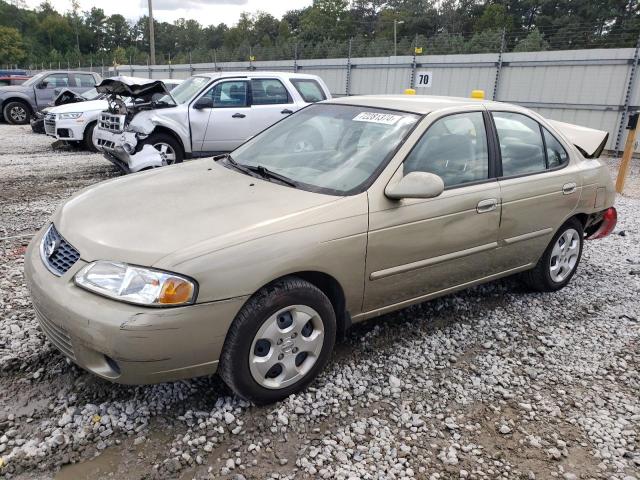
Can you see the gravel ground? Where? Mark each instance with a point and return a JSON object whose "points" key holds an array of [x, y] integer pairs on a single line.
{"points": [[493, 382]]}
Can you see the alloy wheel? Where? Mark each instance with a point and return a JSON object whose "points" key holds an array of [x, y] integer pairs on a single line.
{"points": [[18, 113], [167, 153], [286, 346], [564, 256]]}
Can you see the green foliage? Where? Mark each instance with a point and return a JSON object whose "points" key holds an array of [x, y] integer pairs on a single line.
{"points": [[11, 47], [321, 30]]}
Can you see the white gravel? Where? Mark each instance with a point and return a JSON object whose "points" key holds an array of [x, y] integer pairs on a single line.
{"points": [[493, 382]]}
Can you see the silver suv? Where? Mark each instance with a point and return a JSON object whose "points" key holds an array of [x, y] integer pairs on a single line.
{"points": [[207, 114]]}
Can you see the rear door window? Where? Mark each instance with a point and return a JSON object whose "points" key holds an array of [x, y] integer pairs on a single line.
{"points": [[309, 89], [521, 145], [268, 91], [557, 156], [84, 80]]}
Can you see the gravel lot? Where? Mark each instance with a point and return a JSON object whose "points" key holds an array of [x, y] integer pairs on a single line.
{"points": [[493, 382]]}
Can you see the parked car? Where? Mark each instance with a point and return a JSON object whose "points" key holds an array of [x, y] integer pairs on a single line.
{"points": [[7, 80], [64, 97], [251, 263], [19, 102], [207, 114], [75, 120]]}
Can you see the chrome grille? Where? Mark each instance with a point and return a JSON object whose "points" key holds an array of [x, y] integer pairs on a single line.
{"points": [[111, 122], [57, 254], [56, 334], [50, 124]]}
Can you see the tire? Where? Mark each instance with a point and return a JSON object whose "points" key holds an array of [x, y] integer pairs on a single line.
{"points": [[267, 312], [17, 112], [552, 273], [164, 140], [88, 137]]}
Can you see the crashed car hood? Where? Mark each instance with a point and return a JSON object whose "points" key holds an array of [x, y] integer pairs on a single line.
{"points": [[132, 87], [67, 96], [87, 106], [143, 218]]}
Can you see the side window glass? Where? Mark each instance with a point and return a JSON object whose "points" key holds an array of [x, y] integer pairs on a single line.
{"points": [[268, 91], [454, 148], [556, 154], [521, 144], [309, 90], [229, 94], [85, 81], [57, 80]]}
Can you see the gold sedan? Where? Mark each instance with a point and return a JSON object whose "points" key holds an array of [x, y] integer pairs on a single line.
{"points": [[251, 264]]}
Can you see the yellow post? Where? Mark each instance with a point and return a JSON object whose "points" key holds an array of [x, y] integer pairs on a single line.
{"points": [[628, 152], [409, 91], [478, 94]]}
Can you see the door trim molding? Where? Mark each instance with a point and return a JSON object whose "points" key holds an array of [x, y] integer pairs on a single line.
{"points": [[528, 236], [430, 261]]}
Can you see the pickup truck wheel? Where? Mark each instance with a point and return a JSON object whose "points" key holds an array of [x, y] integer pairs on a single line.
{"points": [[88, 137], [279, 341], [169, 147], [559, 261], [17, 112]]}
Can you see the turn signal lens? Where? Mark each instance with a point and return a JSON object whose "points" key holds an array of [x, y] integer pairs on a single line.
{"points": [[175, 291]]}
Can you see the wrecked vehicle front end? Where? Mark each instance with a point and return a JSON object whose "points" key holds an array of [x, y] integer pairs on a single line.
{"points": [[128, 121]]}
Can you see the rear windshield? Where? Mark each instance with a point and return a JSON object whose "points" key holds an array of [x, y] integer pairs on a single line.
{"points": [[310, 90]]}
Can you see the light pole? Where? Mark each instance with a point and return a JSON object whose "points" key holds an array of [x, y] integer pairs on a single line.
{"points": [[152, 40], [395, 35]]}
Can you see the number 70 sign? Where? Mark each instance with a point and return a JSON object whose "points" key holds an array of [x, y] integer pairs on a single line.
{"points": [[423, 79]]}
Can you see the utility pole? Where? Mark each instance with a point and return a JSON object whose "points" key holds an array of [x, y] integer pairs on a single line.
{"points": [[152, 40], [395, 35]]}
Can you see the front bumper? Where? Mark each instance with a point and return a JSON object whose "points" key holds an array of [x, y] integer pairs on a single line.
{"points": [[70, 129], [112, 145], [121, 342]]}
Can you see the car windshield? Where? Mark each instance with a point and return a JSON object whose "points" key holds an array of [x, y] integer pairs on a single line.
{"points": [[187, 89], [33, 80], [91, 94], [333, 149]]}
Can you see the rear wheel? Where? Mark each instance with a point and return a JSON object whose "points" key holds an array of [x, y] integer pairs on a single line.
{"points": [[279, 341], [559, 261], [169, 148], [17, 112], [88, 138]]}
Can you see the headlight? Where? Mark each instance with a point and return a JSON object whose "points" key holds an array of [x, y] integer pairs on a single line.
{"points": [[142, 286], [67, 116]]}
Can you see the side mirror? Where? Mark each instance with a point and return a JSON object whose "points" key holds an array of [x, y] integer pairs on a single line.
{"points": [[42, 85], [416, 185], [203, 102]]}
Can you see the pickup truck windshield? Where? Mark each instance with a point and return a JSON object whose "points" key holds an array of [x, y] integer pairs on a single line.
{"points": [[33, 80], [187, 89], [334, 149]]}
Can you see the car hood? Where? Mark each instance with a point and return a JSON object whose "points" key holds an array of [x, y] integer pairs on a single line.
{"points": [[142, 218], [132, 87], [14, 89], [85, 106]]}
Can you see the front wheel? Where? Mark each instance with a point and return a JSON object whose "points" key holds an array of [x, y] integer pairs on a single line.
{"points": [[279, 342], [89, 141], [169, 148], [559, 261], [17, 112]]}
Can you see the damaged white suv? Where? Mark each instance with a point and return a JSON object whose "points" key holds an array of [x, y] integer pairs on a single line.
{"points": [[207, 114]]}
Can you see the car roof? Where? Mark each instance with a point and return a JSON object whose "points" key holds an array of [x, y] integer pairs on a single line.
{"points": [[421, 104], [255, 73]]}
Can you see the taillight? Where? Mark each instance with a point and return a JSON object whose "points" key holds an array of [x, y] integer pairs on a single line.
{"points": [[609, 220]]}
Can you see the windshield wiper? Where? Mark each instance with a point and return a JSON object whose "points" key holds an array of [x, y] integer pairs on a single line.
{"points": [[266, 173]]}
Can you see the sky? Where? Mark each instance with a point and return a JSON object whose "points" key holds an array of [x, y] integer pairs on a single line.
{"points": [[207, 12]]}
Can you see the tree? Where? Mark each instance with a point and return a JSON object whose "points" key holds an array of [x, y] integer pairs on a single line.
{"points": [[11, 46], [532, 43]]}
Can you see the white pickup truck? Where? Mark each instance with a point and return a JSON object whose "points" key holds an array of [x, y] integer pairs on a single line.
{"points": [[207, 114]]}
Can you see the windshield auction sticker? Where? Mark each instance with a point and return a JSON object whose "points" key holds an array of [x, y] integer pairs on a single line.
{"points": [[373, 117]]}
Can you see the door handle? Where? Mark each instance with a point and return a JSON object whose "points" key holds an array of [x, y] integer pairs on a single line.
{"points": [[569, 188], [487, 205], [286, 111], [238, 115]]}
